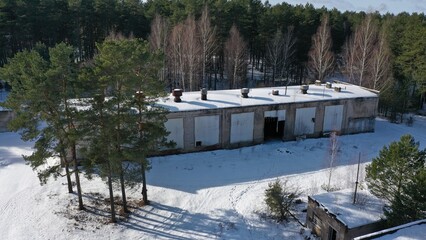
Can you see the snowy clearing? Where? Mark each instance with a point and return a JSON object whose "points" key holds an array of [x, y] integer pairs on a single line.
{"points": [[208, 195]]}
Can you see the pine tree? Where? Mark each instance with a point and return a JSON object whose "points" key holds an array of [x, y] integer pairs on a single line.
{"points": [[280, 200], [43, 82], [124, 127], [395, 167], [410, 205]]}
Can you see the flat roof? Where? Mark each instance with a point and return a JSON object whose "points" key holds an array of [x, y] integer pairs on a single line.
{"points": [[368, 209], [216, 99], [412, 230]]}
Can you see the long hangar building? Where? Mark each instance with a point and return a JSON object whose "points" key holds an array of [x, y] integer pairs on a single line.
{"points": [[204, 120]]}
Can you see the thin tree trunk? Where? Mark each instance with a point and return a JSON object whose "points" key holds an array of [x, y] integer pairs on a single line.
{"points": [[111, 196], [77, 178], [144, 190], [123, 191], [67, 172]]}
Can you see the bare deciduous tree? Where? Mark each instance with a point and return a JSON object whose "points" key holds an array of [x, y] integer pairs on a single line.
{"points": [[280, 52], [380, 66], [334, 149], [158, 35], [274, 53], [158, 40], [207, 41], [191, 51], [176, 56], [360, 50], [289, 49], [321, 58], [235, 58], [367, 56]]}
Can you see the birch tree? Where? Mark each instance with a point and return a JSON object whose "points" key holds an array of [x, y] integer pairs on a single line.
{"points": [[360, 51], [380, 63], [275, 52], [191, 52], [289, 50], [235, 58], [158, 40], [158, 34], [208, 43], [280, 52], [176, 56], [321, 58], [332, 161]]}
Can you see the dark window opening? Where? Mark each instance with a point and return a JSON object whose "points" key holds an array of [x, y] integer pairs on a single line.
{"points": [[273, 129], [332, 234], [198, 143]]}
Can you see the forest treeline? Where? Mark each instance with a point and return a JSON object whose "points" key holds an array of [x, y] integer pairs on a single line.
{"points": [[83, 23]]}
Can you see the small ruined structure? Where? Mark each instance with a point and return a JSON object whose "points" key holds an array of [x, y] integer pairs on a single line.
{"points": [[242, 117], [333, 215]]}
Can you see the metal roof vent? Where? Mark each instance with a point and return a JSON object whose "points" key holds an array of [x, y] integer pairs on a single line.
{"points": [[328, 85], [244, 92], [337, 89], [317, 83], [203, 94], [304, 89], [275, 92], [177, 93]]}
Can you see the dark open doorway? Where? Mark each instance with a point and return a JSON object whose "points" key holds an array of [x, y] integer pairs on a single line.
{"points": [[273, 129], [332, 234]]}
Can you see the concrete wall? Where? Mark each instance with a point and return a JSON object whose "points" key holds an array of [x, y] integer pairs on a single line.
{"points": [[244, 126], [319, 221]]}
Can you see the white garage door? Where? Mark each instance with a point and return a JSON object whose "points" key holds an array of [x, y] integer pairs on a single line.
{"points": [[175, 127], [207, 130], [333, 118], [305, 121], [242, 127]]}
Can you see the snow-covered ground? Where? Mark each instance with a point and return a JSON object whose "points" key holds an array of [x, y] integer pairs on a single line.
{"points": [[208, 195]]}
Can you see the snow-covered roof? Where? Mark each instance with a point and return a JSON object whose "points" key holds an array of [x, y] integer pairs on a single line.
{"points": [[262, 96], [368, 209], [413, 230]]}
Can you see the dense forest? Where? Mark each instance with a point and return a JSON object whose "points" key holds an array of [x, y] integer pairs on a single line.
{"points": [[280, 41]]}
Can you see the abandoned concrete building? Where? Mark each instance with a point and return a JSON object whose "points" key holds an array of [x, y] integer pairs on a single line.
{"points": [[334, 216], [204, 120]]}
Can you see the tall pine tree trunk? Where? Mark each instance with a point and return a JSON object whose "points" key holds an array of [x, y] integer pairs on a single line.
{"points": [[111, 195], [67, 172], [77, 177], [144, 190], [123, 191], [67, 169]]}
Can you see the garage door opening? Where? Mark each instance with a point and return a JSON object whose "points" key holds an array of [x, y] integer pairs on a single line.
{"points": [[273, 129]]}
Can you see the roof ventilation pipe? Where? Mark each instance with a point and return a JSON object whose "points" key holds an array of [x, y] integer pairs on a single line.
{"points": [[337, 89], [203, 94], [304, 89], [177, 93], [275, 92], [317, 83], [328, 85], [244, 92]]}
